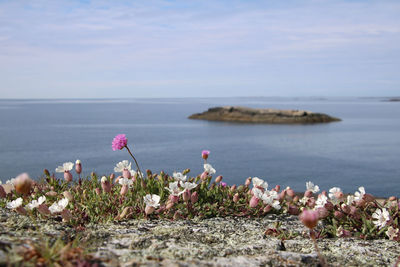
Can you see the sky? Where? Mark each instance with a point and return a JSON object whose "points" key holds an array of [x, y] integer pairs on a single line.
{"points": [[118, 49]]}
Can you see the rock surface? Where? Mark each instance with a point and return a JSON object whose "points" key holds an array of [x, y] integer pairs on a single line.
{"points": [[251, 115], [228, 241]]}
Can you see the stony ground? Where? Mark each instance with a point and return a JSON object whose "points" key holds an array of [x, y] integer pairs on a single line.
{"points": [[208, 242]]}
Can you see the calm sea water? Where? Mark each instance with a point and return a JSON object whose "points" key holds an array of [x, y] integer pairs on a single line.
{"points": [[363, 149]]}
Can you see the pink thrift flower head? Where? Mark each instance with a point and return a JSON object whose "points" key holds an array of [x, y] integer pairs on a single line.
{"points": [[309, 218], [204, 154], [119, 142], [223, 184]]}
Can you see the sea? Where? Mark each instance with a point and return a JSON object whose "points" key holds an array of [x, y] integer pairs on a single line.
{"points": [[361, 150]]}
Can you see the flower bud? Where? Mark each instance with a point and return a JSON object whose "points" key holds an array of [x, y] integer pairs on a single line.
{"points": [[194, 197], [78, 166], [67, 176], [267, 208], [124, 213], [169, 205], [236, 198], [392, 198], [254, 202], [51, 194], [149, 210], [218, 179], [345, 208], [66, 215], [23, 184], [361, 203], [322, 212], [68, 195], [21, 210], [368, 198], [309, 218], [296, 199], [126, 173], [3, 193], [186, 195], [290, 192], [174, 199], [112, 176], [329, 206], [233, 187], [338, 214], [282, 195], [293, 210], [105, 185], [308, 193], [44, 209], [204, 175], [124, 190], [248, 182], [97, 190], [310, 203], [277, 188]]}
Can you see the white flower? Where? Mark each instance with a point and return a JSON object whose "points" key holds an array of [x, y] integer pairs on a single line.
{"points": [[381, 216], [125, 181], [36, 203], [359, 195], [14, 204], [350, 200], [152, 200], [59, 206], [276, 205], [134, 173], [311, 187], [392, 232], [304, 200], [334, 194], [270, 198], [188, 185], [104, 179], [174, 189], [67, 166], [11, 183], [257, 182], [122, 165], [178, 176], [257, 192], [321, 201], [208, 168], [77, 161]]}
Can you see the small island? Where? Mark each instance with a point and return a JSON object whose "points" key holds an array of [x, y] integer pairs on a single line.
{"points": [[255, 115]]}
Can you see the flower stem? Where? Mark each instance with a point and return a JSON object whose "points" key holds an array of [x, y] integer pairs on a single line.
{"points": [[321, 258], [137, 165]]}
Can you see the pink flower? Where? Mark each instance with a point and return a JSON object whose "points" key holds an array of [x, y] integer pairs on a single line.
{"points": [[204, 154], [119, 142]]}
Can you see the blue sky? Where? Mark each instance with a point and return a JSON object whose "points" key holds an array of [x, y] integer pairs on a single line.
{"points": [[79, 49]]}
